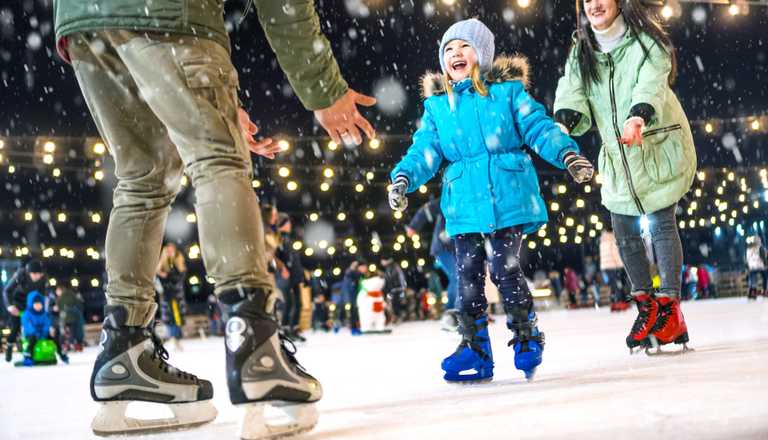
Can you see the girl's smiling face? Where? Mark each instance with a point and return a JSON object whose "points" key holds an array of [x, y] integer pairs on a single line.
{"points": [[601, 13], [459, 57]]}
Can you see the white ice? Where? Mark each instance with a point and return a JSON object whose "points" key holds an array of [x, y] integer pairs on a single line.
{"points": [[390, 386]]}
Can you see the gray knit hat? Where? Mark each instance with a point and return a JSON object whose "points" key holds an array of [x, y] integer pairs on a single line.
{"points": [[474, 32]]}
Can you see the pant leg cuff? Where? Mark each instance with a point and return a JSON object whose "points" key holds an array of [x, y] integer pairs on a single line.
{"points": [[139, 314]]}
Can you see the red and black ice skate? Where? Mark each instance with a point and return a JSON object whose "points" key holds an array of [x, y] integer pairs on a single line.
{"points": [[647, 314], [670, 327]]}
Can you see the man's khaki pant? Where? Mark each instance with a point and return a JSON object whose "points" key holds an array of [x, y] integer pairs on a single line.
{"points": [[166, 105]]}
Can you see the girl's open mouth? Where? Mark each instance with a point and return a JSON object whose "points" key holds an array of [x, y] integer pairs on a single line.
{"points": [[458, 65]]}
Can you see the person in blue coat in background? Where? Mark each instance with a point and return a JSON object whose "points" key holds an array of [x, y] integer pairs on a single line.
{"points": [[443, 251], [477, 118], [36, 325]]}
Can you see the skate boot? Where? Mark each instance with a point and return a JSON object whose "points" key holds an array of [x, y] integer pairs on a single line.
{"points": [[670, 326], [262, 369], [132, 367], [8, 351], [647, 314], [527, 342], [752, 293], [472, 362]]}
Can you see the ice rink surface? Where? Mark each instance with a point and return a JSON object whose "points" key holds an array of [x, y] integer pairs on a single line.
{"points": [[390, 386]]}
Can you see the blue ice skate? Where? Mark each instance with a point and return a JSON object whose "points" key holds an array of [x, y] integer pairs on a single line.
{"points": [[528, 344], [473, 360]]}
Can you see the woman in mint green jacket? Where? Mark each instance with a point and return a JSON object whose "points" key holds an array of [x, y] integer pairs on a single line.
{"points": [[618, 75]]}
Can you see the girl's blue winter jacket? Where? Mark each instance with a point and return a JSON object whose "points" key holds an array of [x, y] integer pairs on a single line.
{"points": [[489, 182]]}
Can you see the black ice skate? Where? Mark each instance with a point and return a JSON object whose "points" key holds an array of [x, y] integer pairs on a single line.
{"points": [[262, 369], [132, 367]]}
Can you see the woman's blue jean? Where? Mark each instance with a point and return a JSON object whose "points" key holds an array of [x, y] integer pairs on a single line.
{"points": [[667, 249]]}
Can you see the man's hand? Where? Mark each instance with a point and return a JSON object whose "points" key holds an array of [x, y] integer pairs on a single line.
{"points": [[341, 120], [13, 310], [633, 131], [409, 231], [263, 147]]}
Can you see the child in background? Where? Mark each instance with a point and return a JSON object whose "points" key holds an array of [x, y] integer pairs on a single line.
{"points": [[37, 325], [477, 118]]}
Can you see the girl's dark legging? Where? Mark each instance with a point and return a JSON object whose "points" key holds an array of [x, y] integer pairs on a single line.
{"points": [[502, 249], [667, 249]]}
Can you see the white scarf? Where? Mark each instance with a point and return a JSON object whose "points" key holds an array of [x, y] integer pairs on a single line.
{"points": [[609, 38]]}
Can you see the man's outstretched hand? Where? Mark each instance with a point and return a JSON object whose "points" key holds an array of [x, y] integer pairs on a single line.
{"points": [[263, 147], [343, 122]]}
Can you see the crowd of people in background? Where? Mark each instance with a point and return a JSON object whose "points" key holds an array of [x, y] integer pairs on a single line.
{"points": [[332, 304]]}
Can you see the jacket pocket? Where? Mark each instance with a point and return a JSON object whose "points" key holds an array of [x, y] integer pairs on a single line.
{"points": [[512, 183], [212, 87], [452, 181], [208, 74], [664, 157], [510, 163]]}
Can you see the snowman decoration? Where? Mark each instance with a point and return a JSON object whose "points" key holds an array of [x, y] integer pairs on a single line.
{"points": [[370, 304]]}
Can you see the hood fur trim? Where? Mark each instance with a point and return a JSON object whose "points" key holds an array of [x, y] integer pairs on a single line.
{"points": [[505, 68]]}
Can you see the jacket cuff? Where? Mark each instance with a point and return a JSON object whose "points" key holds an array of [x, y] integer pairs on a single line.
{"points": [[644, 111], [568, 118]]}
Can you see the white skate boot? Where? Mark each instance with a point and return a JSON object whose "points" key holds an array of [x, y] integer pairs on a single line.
{"points": [[262, 373], [132, 367]]}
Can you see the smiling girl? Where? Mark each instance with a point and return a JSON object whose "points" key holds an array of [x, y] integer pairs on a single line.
{"points": [[618, 74], [477, 118]]}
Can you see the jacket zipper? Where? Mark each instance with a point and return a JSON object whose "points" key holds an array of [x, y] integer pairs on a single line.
{"points": [[624, 161], [662, 130], [482, 135]]}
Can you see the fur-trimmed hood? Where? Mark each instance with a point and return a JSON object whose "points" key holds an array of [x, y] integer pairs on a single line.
{"points": [[505, 68]]}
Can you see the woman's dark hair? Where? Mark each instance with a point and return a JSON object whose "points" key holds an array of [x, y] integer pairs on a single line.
{"points": [[639, 19]]}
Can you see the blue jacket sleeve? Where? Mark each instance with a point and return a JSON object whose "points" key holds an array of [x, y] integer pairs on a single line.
{"points": [[424, 156], [27, 326], [538, 130]]}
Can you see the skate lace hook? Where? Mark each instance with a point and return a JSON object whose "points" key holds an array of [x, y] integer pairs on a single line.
{"points": [[289, 349], [160, 353]]}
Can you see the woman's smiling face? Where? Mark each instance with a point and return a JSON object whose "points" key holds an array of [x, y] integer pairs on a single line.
{"points": [[601, 13], [459, 57]]}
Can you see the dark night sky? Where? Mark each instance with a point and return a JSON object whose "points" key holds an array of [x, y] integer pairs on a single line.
{"points": [[723, 61], [723, 73]]}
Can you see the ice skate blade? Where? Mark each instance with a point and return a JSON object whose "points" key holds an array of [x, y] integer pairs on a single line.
{"points": [[660, 352], [298, 418], [469, 381], [111, 418], [650, 343]]}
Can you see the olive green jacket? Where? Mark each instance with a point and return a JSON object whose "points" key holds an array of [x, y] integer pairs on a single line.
{"points": [[291, 26], [643, 179]]}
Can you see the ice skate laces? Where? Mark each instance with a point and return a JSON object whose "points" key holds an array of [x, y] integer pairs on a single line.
{"points": [[289, 349], [160, 354], [470, 340], [643, 315], [523, 338]]}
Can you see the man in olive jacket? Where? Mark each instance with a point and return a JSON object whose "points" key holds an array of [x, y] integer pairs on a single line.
{"points": [[159, 82]]}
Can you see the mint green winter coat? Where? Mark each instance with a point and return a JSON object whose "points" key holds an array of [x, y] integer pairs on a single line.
{"points": [[635, 180]]}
